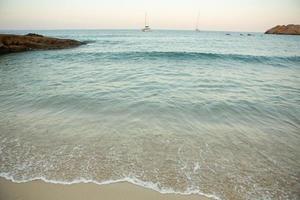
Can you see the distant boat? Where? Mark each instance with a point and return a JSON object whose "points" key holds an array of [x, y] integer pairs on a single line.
{"points": [[147, 27], [197, 24]]}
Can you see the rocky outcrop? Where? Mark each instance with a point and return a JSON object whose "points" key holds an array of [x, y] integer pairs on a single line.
{"points": [[290, 29], [18, 43]]}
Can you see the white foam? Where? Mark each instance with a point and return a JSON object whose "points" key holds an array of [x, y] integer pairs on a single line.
{"points": [[132, 180], [196, 167]]}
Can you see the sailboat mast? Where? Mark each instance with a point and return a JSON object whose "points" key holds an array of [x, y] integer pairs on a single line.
{"points": [[145, 19], [197, 25]]}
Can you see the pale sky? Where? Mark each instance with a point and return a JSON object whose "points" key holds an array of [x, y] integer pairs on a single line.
{"points": [[227, 15]]}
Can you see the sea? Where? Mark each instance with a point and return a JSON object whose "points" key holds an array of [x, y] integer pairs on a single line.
{"points": [[209, 113]]}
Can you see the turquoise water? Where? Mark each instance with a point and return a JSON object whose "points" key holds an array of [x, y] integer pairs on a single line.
{"points": [[175, 111]]}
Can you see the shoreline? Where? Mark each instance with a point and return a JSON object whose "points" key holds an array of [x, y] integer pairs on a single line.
{"points": [[38, 189]]}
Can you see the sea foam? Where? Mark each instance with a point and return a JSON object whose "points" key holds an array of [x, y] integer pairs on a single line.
{"points": [[149, 185]]}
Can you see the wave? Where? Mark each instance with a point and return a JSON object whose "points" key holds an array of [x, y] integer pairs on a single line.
{"points": [[199, 55], [174, 55], [132, 180]]}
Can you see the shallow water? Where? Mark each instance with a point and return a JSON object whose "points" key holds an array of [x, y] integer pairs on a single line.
{"points": [[175, 111]]}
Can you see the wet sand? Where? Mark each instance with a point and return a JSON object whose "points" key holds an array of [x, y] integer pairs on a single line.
{"points": [[39, 190]]}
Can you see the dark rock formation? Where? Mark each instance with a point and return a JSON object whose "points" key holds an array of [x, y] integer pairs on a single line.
{"points": [[18, 43], [34, 34], [290, 29]]}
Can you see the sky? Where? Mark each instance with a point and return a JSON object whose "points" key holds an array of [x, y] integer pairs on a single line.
{"points": [[219, 15]]}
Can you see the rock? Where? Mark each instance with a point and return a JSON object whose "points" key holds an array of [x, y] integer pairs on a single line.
{"points": [[18, 43], [34, 34], [290, 29]]}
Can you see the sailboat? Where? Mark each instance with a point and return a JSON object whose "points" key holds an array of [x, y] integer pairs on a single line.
{"points": [[147, 27], [197, 25]]}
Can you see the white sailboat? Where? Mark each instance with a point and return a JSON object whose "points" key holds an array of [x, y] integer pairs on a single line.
{"points": [[147, 27], [197, 24]]}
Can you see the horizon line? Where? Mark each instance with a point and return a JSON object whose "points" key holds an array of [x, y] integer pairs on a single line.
{"points": [[121, 29]]}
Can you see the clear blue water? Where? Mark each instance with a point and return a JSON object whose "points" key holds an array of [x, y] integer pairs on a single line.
{"points": [[175, 111]]}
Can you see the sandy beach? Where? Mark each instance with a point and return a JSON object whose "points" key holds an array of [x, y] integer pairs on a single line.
{"points": [[149, 100], [37, 190]]}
